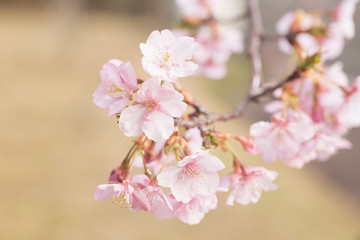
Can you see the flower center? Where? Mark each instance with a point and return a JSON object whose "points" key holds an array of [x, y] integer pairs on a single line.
{"points": [[152, 105], [113, 89], [123, 199], [192, 170], [165, 58]]}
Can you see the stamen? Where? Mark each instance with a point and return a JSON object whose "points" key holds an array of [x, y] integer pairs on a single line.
{"points": [[165, 57], [152, 105], [255, 187], [123, 199], [192, 170], [113, 89]]}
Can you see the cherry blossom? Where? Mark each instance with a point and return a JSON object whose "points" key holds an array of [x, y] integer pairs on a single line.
{"points": [[311, 109], [166, 56], [344, 18], [308, 34], [281, 139], [215, 49], [193, 175], [161, 206], [154, 113], [349, 113], [122, 194], [194, 211], [321, 147], [194, 140], [117, 86], [198, 9], [327, 145], [247, 187]]}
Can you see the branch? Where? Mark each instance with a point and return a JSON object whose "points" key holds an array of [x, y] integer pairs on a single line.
{"points": [[252, 97], [255, 42]]}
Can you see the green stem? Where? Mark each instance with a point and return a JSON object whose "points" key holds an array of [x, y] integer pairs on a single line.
{"points": [[166, 161]]}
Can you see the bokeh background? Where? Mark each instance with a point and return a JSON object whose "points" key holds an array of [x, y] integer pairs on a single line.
{"points": [[56, 146]]}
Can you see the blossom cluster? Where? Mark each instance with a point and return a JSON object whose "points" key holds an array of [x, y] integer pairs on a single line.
{"points": [[308, 32], [217, 42], [311, 113], [173, 160], [310, 118]]}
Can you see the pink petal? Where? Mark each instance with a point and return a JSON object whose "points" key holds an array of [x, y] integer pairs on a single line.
{"points": [[154, 38], [184, 70], [128, 76], [131, 119], [205, 184], [182, 190], [171, 102], [184, 48], [104, 191], [140, 201], [118, 106], [116, 62], [110, 72], [150, 88], [161, 206], [158, 126], [101, 98], [284, 23], [209, 162], [169, 176], [140, 180]]}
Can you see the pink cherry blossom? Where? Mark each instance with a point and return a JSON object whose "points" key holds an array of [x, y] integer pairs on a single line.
{"points": [[298, 21], [321, 148], [281, 139], [122, 194], [160, 204], [194, 140], [194, 211], [333, 44], [215, 49], [193, 175], [247, 187], [349, 113], [200, 9], [166, 56], [344, 18], [298, 25], [154, 113], [117, 86], [331, 96], [328, 145]]}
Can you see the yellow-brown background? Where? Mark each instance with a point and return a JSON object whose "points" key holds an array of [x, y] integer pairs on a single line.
{"points": [[56, 146]]}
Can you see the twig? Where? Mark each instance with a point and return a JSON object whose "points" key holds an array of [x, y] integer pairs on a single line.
{"points": [[252, 97], [255, 42]]}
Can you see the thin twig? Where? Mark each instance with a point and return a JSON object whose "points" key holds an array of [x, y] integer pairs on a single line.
{"points": [[255, 42], [252, 97]]}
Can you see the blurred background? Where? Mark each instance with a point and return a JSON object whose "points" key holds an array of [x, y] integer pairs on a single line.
{"points": [[56, 146]]}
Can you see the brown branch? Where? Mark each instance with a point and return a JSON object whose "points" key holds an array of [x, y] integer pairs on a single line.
{"points": [[252, 97], [271, 36]]}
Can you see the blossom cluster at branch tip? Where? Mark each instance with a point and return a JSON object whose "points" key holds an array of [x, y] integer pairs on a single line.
{"points": [[307, 32], [311, 123]]}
